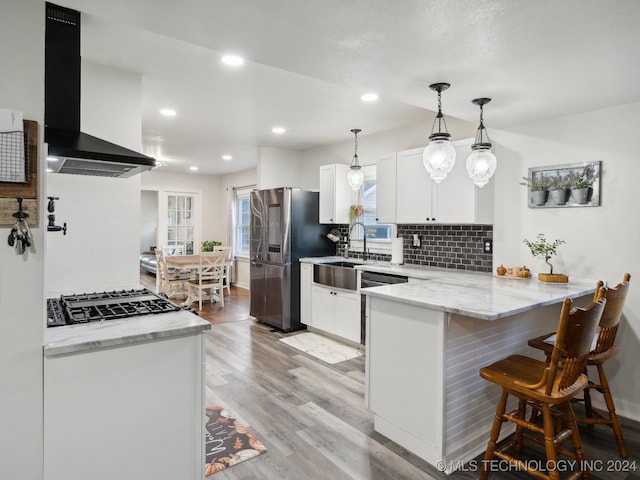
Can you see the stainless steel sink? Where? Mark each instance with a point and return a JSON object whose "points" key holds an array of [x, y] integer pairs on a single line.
{"points": [[336, 274], [342, 264]]}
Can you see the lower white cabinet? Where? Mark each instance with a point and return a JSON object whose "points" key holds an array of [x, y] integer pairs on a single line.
{"points": [[336, 311], [127, 412]]}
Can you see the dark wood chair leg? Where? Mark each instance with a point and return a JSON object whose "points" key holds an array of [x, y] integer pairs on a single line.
{"points": [[588, 409], [517, 443], [575, 439], [615, 423], [495, 433]]}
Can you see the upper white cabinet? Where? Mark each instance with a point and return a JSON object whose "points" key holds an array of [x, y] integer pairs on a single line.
{"points": [[419, 200], [335, 194]]}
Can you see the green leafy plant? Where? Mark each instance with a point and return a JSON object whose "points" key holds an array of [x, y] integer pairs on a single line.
{"points": [[581, 181], [542, 248], [558, 183], [207, 245], [535, 186]]}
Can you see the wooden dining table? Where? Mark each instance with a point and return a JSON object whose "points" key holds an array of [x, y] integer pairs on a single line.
{"points": [[192, 262]]}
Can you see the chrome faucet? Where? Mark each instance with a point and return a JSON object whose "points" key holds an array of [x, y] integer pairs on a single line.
{"points": [[364, 238]]}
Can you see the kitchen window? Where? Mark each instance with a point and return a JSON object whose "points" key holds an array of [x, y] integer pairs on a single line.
{"points": [[376, 232]]}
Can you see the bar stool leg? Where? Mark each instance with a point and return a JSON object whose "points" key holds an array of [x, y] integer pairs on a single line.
{"points": [[495, 433], [517, 443], [575, 439], [549, 444], [615, 423], [586, 395]]}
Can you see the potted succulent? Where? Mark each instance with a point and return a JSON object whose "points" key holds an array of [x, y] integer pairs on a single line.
{"points": [[558, 191], [538, 191], [542, 248]]}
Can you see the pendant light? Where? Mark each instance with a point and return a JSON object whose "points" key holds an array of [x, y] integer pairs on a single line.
{"points": [[355, 177], [439, 156], [481, 162]]}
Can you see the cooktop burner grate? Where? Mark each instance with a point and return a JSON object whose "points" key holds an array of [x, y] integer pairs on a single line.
{"points": [[101, 306]]}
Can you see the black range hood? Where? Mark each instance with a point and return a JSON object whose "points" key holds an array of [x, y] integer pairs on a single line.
{"points": [[77, 152]]}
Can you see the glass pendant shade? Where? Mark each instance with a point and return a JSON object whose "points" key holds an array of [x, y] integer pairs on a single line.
{"points": [[439, 156], [438, 159], [481, 165], [355, 177]]}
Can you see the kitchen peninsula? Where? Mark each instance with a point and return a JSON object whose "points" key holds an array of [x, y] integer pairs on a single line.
{"points": [[124, 398], [426, 341]]}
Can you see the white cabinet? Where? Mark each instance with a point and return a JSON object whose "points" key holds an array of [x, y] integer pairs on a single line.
{"points": [[335, 194], [419, 200], [414, 189], [336, 311], [110, 399], [306, 277]]}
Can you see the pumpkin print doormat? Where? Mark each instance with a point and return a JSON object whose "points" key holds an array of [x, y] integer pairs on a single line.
{"points": [[227, 443]]}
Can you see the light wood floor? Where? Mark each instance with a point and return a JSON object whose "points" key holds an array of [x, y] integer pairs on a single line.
{"points": [[311, 415]]}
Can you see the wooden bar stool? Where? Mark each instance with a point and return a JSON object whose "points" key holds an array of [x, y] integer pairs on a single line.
{"points": [[604, 349], [540, 386]]}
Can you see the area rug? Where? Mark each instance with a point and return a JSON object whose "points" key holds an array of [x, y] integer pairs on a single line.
{"points": [[227, 443], [321, 347]]}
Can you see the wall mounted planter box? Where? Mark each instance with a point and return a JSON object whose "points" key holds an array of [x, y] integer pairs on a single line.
{"points": [[576, 185]]}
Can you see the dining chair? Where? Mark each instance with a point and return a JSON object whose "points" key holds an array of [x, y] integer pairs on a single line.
{"points": [[227, 266], [603, 349], [210, 276], [170, 282], [542, 385]]}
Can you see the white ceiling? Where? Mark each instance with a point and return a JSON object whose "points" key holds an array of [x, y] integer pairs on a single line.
{"points": [[309, 61]]}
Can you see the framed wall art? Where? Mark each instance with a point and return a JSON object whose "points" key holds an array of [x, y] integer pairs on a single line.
{"points": [[564, 186]]}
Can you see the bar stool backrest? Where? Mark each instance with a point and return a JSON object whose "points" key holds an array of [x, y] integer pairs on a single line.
{"points": [[611, 315], [577, 328]]}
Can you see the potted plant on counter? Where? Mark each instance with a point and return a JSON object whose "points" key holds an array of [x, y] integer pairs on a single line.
{"points": [[542, 248]]}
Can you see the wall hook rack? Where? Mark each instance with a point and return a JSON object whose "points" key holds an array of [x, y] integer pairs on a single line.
{"points": [[51, 226], [20, 237]]}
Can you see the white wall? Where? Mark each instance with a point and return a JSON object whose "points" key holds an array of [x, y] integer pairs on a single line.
{"points": [[22, 307], [278, 167], [601, 241], [100, 250], [214, 215]]}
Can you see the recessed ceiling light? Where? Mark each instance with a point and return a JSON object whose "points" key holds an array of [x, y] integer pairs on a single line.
{"points": [[232, 60], [52, 159], [227, 157], [49, 170], [168, 112], [278, 130], [193, 169], [369, 97]]}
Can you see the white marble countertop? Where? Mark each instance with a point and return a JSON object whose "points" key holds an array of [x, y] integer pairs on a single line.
{"points": [[114, 333], [480, 295], [474, 294]]}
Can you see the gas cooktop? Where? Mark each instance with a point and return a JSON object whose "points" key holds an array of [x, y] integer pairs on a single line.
{"points": [[101, 306]]}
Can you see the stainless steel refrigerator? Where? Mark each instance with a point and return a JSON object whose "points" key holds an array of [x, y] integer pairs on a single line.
{"points": [[284, 227]]}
